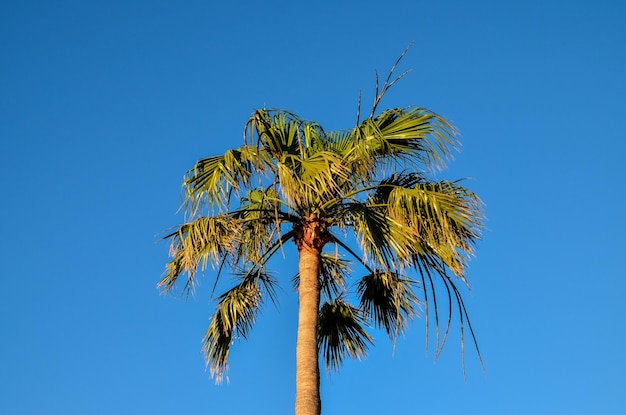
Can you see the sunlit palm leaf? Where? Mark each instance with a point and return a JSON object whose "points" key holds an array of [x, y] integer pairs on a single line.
{"points": [[446, 217], [305, 181], [384, 240], [278, 132], [213, 178], [235, 316], [203, 241], [417, 136]]}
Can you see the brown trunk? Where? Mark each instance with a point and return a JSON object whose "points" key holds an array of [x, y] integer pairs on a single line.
{"points": [[308, 400]]}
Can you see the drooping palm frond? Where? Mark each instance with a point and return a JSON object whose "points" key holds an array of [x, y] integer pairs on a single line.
{"points": [[341, 332], [235, 315], [445, 216], [196, 244], [333, 275], [427, 266], [248, 235], [445, 221], [262, 215], [388, 300]]}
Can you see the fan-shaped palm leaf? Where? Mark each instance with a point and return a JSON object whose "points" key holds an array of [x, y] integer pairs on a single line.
{"points": [[213, 178], [388, 300], [341, 332], [445, 216], [205, 240]]}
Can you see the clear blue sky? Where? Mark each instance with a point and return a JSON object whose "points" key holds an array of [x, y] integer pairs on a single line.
{"points": [[105, 105]]}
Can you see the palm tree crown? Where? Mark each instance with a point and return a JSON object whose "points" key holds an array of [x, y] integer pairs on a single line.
{"points": [[365, 192]]}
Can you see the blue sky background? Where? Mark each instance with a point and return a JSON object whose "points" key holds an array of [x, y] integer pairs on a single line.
{"points": [[105, 105]]}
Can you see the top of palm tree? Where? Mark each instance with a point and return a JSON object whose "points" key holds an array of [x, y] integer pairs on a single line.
{"points": [[371, 182]]}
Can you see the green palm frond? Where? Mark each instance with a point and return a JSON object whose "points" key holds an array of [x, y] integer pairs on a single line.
{"points": [[307, 168], [235, 315], [341, 332], [258, 201], [277, 131], [446, 217], [283, 132], [388, 300], [321, 170], [340, 142], [386, 242], [212, 179], [194, 245], [261, 215], [417, 136], [398, 179]]}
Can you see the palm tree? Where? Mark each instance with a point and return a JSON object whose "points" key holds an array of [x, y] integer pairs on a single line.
{"points": [[367, 187]]}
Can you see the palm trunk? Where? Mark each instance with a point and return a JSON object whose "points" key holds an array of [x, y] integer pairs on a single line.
{"points": [[308, 400]]}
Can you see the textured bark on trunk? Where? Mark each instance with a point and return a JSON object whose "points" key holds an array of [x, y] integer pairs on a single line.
{"points": [[308, 400]]}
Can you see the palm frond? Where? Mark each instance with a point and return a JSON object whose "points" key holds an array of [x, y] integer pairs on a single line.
{"points": [[305, 182], [333, 274], [446, 217], [194, 245], [262, 216], [385, 241], [416, 136], [235, 315], [341, 332], [427, 265], [388, 300], [212, 179], [278, 132]]}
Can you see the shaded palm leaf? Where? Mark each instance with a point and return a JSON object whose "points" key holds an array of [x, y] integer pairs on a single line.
{"points": [[341, 333], [261, 216], [388, 300]]}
